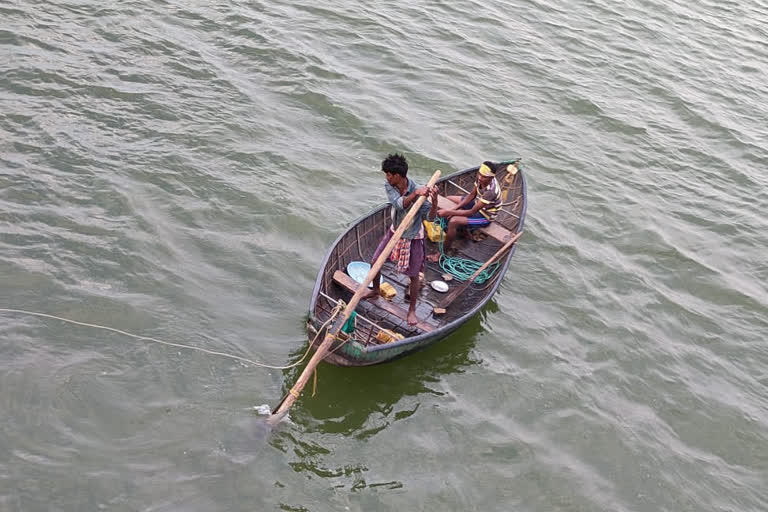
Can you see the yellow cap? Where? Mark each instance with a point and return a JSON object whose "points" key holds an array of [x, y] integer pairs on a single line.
{"points": [[484, 170]]}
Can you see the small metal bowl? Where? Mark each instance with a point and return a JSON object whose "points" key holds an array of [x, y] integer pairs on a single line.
{"points": [[439, 286]]}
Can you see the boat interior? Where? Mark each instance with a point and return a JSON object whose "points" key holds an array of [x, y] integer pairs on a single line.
{"points": [[383, 320]]}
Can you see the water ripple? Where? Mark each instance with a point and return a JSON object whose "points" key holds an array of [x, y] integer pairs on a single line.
{"points": [[179, 169]]}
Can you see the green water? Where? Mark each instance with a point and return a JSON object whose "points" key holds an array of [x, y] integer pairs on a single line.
{"points": [[178, 170]]}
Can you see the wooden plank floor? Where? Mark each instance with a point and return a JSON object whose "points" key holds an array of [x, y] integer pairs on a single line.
{"points": [[392, 307]]}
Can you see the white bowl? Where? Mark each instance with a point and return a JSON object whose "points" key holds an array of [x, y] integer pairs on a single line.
{"points": [[439, 286]]}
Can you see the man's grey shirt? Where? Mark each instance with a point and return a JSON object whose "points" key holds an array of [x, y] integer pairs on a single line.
{"points": [[399, 213]]}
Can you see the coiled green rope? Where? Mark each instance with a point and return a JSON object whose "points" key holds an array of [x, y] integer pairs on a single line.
{"points": [[463, 268]]}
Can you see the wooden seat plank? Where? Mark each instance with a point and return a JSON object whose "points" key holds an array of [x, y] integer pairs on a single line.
{"points": [[494, 230], [351, 285]]}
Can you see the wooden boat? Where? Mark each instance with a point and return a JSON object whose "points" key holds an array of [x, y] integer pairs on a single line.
{"points": [[380, 323]]}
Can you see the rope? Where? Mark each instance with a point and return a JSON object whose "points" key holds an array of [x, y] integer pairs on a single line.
{"points": [[340, 305], [178, 345], [463, 268]]}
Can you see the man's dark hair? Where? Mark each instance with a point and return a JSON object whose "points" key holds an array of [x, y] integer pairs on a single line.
{"points": [[395, 164], [492, 166]]}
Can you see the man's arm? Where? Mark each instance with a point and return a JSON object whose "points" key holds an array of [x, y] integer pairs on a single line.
{"points": [[429, 208], [433, 206], [409, 199], [467, 199], [462, 213], [458, 211], [403, 202], [394, 197]]}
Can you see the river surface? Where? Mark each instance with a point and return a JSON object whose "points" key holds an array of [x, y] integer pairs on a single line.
{"points": [[177, 170]]}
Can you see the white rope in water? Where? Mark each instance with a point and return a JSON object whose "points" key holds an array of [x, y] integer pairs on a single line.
{"points": [[155, 340]]}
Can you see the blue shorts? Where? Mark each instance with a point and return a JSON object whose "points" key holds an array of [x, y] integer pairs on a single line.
{"points": [[476, 220]]}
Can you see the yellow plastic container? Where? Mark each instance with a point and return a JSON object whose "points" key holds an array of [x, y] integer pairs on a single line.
{"points": [[387, 336], [434, 231], [387, 291]]}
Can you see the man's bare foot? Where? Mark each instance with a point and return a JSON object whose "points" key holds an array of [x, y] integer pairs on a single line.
{"points": [[433, 258], [370, 294], [412, 320]]}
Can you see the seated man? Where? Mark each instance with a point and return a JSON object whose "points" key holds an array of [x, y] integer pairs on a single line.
{"points": [[474, 210]]}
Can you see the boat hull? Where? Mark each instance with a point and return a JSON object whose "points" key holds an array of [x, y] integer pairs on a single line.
{"points": [[358, 242]]}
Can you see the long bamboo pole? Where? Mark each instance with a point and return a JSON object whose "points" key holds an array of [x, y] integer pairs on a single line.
{"points": [[448, 300], [333, 331]]}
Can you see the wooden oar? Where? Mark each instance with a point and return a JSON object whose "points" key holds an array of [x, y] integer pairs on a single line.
{"points": [[333, 331], [459, 289]]}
